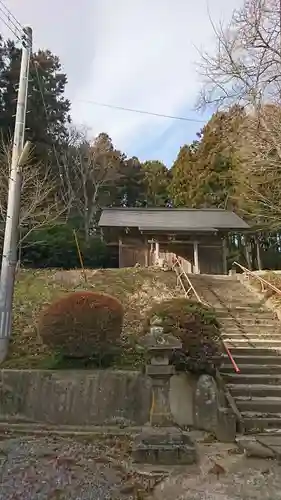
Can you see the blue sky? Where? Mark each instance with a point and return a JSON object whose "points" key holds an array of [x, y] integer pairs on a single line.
{"points": [[165, 146], [138, 54]]}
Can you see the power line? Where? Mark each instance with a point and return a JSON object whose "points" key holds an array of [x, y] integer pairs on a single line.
{"points": [[11, 15], [11, 29], [16, 28], [11, 21], [35, 64], [143, 112]]}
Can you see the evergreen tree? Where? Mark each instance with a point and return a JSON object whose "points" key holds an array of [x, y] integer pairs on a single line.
{"points": [[203, 173], [183, 189], [156, 183], [131, 186], [47, 111]]}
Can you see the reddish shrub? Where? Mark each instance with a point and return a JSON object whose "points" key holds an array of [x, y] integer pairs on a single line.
{"points": [[83, 324]]}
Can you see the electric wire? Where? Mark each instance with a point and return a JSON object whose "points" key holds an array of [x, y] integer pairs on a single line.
{"points": [[35, 64], [15, 27], [40, 86], [11, 14], [141, 111], [11, 29]]}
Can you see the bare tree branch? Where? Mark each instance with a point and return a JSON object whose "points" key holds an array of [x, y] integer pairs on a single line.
{"points": [[258, 172], [89, 169], [40, 205], [245, 67]]}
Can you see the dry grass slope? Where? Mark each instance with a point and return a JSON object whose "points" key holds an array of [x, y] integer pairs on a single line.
{"points": [[136, 288], [272, 277]]}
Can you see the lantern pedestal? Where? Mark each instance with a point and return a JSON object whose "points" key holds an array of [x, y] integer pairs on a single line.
{"points": [[160, 441]]}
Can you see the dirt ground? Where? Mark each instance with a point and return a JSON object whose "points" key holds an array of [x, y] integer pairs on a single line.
{"points": [[74, 468], [85, 468], [223, 473]]}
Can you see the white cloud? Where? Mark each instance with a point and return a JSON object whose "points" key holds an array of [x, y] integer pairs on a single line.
{"points": [[144, 54], [131, 53]]}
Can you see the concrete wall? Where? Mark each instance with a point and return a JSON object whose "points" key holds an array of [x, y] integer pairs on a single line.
{"points": [[88, 397], [75, 397]]}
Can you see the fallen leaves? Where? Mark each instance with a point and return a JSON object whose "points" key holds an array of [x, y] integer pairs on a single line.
{"points": [[217, 469]]}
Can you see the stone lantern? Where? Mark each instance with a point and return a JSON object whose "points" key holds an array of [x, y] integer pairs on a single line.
{"points": [[160, 441]]}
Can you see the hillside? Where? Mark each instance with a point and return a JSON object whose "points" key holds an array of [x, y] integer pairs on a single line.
{"points": [[136, 288]]}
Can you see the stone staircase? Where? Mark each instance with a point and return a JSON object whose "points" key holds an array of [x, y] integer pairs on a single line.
{"points": [[253, 334]]}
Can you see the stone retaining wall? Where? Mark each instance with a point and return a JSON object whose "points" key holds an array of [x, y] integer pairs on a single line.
{"points": [[101, 397], [75, 397]]}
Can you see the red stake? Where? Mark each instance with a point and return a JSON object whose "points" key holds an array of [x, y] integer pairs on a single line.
{"points": [[231, 359]]}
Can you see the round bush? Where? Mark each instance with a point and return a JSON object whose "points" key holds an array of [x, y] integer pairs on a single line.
{"points": [[83, 324], [197, 328]]}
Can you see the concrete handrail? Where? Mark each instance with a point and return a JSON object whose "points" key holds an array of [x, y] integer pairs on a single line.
{"points": [[259, 278]]}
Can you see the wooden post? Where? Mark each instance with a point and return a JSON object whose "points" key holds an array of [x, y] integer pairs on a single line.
{"points": [[80, 256], [248, 254], [157, 251], [196, 257], [259, 259], [146, 256], [224, 256], [120, 252]]}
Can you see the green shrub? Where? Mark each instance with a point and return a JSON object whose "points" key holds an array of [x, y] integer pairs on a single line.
{"points": [[83, 325], [197, 328], [55, 246]]}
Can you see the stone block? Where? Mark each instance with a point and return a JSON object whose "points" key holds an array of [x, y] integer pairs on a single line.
{"points": [[210, 412], [226, 425], [164, 447], [160, 370], [252, 448], [206, 404]]}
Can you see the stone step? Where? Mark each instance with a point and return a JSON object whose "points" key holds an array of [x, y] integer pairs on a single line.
{"points": [[240, 378], [253, 360], [235, 341], [262, 334], [239, 312], [255, 423], [243, 309], [251, 334], [223, 299], [234, 324], [233, 305], [251, 321], [260, 405], [237, 325], [254, 369], [254, 390], [254, 342], [255, 351]]}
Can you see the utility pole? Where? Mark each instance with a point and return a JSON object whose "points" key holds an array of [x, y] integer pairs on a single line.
{"points": [[11, 236]]}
